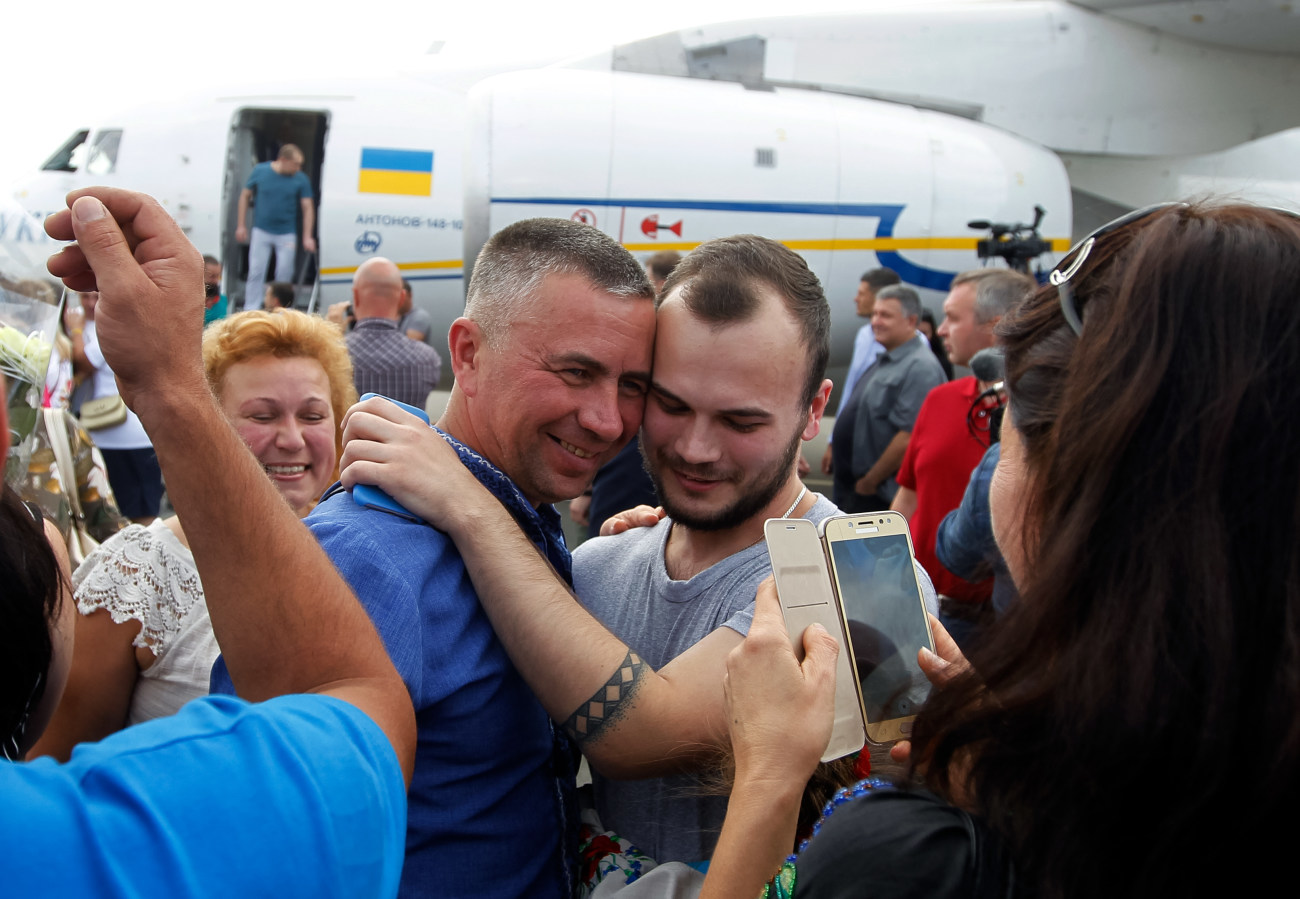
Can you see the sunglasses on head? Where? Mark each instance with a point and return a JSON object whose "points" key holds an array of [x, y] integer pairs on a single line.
{"points": [[1078, 254]]}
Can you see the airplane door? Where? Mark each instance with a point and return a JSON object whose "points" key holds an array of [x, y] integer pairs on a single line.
{"points": [[256, 135]]}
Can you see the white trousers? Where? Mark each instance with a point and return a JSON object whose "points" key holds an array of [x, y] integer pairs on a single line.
{"points": [[259, 253]]}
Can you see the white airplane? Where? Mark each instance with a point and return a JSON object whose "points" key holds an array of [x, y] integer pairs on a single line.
{"points": [[859, 140]]}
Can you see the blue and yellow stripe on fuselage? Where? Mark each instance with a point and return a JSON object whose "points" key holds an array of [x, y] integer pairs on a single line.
{"points": [[885, 245], [887, 248]]}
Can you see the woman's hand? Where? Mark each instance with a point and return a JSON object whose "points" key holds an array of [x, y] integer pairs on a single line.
{"points": [[637, 517], [780, 710], [939, 667], [399, 453]]}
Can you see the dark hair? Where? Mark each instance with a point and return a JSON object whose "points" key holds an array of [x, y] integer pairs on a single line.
{"points": [[29, 602], [209, 259], [877, 278], [718, 280], [661, 264], [283, 292], [520, 256], [1139, 704]]}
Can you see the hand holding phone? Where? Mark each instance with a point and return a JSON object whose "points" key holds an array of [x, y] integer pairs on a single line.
{"points": [[370, 496], [803, 586]]}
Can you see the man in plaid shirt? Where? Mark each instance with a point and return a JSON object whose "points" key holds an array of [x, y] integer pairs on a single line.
{"points": [[384, 360]]}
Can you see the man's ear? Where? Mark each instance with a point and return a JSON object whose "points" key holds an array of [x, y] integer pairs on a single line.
{"points": [[816, 410], [465, 344]]}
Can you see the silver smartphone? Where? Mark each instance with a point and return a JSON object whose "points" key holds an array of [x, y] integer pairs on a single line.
{"points": [[803, 585], [873, 570]]}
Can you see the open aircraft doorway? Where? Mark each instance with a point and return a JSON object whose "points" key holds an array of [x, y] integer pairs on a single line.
{"points": [[256, 135]]}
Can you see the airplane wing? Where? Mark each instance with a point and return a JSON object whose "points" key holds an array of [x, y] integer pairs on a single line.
{"points": [[1110, 77], [1261, 26]]}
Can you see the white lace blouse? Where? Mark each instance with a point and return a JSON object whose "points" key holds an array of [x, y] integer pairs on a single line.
{"points": [[146, 574]]}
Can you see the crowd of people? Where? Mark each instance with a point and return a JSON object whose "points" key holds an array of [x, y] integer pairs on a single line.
{"points": [[395, 704]]}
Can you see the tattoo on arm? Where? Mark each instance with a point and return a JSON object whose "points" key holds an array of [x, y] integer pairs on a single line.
{"points": [[609, 703]]}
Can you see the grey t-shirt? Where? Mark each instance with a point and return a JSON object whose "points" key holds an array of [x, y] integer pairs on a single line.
{"points": [[623, 582]]}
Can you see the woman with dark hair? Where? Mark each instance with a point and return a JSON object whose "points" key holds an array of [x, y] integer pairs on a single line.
{"points": [[1137, 713], [36, 640]]}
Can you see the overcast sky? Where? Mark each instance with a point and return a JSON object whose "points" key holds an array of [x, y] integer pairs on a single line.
{"points": [[68, 62]]}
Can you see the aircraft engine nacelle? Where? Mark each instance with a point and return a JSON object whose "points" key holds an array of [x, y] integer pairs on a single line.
{"points": [[666, 163]]}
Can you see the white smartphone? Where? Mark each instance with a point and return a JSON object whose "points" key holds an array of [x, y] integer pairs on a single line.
{"points": [[873, 570], [803, 585]]}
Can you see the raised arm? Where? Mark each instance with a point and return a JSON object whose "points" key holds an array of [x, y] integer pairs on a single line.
{"points": [[629, 720], [301, 632]]}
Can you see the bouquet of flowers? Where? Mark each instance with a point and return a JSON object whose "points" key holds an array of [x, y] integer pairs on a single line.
{"points": [[27, 329], [29, 317]]}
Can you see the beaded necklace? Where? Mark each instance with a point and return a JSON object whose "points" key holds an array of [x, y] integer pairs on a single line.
{"points": [[782, 885]]}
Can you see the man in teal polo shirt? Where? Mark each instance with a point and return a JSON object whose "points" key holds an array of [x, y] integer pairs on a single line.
{"points": [[278, 190]]}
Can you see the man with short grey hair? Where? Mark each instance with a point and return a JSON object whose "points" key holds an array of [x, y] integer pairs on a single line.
{"points": [[552, 362], [976, 302], [871, 434]]}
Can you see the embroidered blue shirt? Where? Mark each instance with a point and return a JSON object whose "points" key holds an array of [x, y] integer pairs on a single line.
{"points": [[492, 810]]}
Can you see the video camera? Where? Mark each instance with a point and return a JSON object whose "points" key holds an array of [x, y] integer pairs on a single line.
{"points": [[1018, 244]]}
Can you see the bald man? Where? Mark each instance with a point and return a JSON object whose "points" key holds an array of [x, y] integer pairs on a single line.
{"points": [[384, 360]]}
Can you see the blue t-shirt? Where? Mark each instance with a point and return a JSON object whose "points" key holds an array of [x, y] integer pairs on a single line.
{"points": [[277, 198], [486, 814], [298, 796]]}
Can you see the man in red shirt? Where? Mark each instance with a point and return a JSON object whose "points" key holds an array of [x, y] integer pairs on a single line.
{"points": [[943, 451]]}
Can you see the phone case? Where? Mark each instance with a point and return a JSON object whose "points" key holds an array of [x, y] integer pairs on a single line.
{"points": [[803, 585], [370, 496]]}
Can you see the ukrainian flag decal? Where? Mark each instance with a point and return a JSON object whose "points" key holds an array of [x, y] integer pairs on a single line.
{"points": [[385, 171]]}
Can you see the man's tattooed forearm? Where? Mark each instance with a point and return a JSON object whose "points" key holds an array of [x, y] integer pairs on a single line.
{"points": [[609, 703]]}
